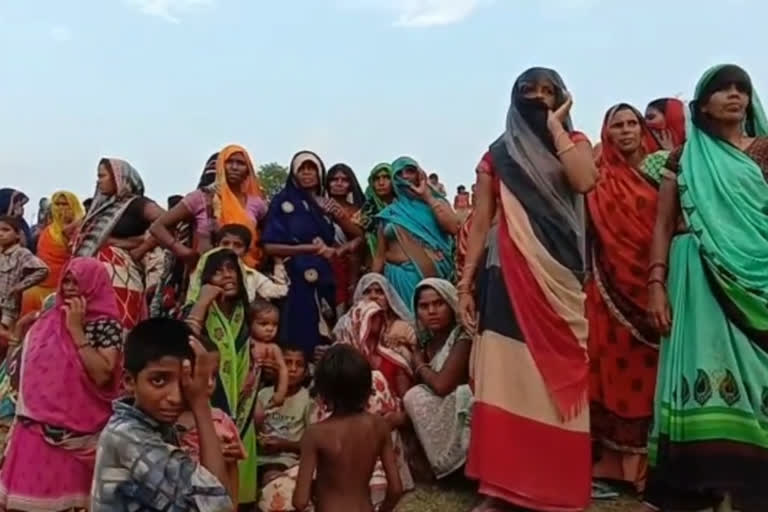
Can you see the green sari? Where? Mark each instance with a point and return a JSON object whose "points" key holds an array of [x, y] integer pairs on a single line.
{"points": [[372, 206], [710, 432], [236, 388]]}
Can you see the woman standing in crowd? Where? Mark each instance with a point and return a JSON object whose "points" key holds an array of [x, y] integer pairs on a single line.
{"points": [[115, 232], [530, 365], [623, 345], [440, 407], [392, 353], [70, 374], [12, 203], [711, 408], [234, 197], [666, 120], [217, 306], [297, 228], [379, 194], [415, 239], [53, 247], [344, 201]]}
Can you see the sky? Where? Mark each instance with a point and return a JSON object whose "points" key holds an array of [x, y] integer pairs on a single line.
{"points": [[165, 83]]}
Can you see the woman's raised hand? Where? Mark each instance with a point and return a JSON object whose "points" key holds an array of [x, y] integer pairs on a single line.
{"points": [[74, 310], [209, 293], [556, 118]]}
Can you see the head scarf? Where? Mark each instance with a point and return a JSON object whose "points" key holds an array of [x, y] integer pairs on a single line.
{"points": [[208, 177], [356, 330], [396, 304], [12, 203], [44, 212], [355, 195], [722, 195], [448, 293], [106, 210], [529, 144], [58, 223], [674, 118], [373, 205], [622, 208], [227, 208], [415, 216], [50, 355]]}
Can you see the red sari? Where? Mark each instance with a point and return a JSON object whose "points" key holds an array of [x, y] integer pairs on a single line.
{"points": [[623, 347]]}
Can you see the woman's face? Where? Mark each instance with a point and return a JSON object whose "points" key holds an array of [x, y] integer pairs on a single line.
{"points": [[542, 90], [655, 118], [339, 185], [411, 174], [106, 181], [728, 105], [69, 287], [61, 205], [376, 294], [236, 168], [625, 131], [307, 175], [226, 279], [433, 311], [382, 184]]}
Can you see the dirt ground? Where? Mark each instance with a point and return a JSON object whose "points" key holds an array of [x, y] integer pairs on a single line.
{"points": [[461, 498]]}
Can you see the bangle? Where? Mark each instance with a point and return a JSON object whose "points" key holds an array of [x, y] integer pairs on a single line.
{"points": [[557, 139], [83, 345], [658, 264], [566, 149], [656, 281]]}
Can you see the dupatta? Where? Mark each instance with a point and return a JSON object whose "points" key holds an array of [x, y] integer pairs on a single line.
{"points": [[12, 203], [230, 334], [55, 388], [622, 209], [226, 206], [52, 246], [723, 197], [372, 206], [106, 210], [541, 244]]}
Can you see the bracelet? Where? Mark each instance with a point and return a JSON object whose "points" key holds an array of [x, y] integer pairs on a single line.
{"points": [[656, 281], [658, 264], [560, 135], [82, 346], [566, 149]]}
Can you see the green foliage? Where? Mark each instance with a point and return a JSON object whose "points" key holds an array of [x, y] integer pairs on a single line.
{"points": [[273, 177]]}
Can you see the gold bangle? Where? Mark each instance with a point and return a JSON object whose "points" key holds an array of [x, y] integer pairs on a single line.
{"points": [[566, 149]]}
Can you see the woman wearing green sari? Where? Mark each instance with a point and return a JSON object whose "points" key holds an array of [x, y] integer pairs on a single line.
{"points": [[709, 440], [217, 305], [379, 194]]}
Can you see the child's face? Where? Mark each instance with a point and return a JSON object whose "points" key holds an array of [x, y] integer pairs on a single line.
{"points": [[297, 367], [157, 389], [264, 325], [8, 235], [234, 243]]}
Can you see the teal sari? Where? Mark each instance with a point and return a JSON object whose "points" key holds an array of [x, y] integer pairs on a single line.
{"points": [[411, 222], [710, 432]]}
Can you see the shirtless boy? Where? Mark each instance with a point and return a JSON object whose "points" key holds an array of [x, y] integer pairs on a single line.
{"points": [[344, 448]]}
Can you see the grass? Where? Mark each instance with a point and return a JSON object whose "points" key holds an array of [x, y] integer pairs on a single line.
{"points": [[461, 498]]}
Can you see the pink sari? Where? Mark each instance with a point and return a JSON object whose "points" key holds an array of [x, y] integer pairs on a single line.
{"points": [[61, 411]]}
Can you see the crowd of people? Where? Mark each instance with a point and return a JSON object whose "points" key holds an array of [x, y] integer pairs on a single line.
{"points": [[583, 317]]}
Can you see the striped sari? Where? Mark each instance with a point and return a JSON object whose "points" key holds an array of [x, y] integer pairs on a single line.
{"points": [[530, 443]]}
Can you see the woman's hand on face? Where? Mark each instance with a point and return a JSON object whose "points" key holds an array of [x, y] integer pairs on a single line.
{"points": [[421, 189], [74, 309], [664, 137], [209, 292], [658, 308], [556, 118]]}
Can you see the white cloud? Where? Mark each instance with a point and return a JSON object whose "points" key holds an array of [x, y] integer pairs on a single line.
{"points": [[169, 10], [423, 13], [60, 33]]}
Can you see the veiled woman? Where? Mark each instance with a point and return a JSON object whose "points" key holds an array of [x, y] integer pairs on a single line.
{"points": [[707, 289], [530, 444]]}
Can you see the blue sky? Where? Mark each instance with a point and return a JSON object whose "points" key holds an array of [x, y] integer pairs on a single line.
{"points": [[164, 83]]}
